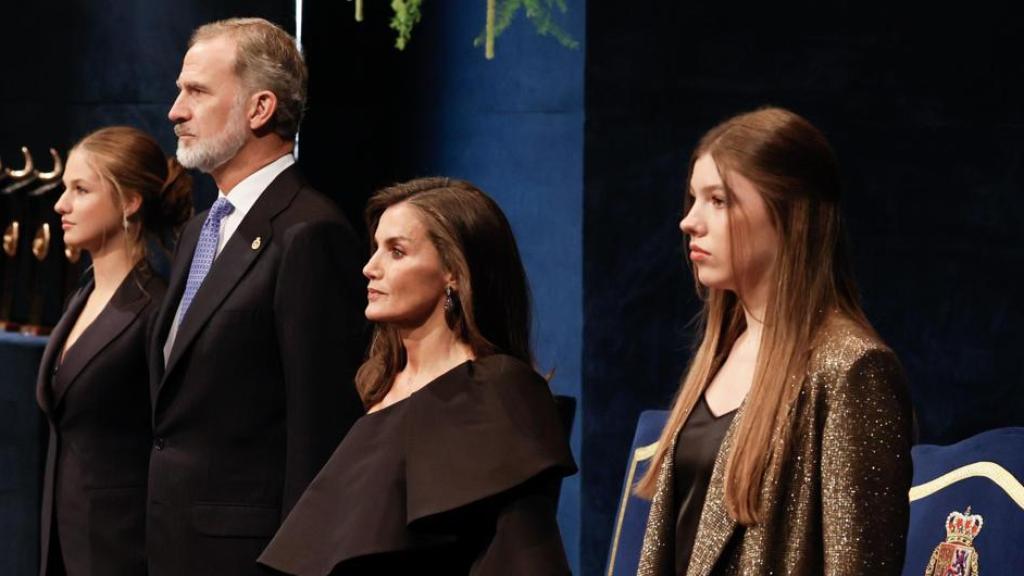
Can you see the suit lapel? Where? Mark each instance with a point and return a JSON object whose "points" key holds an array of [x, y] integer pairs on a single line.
{"points": [[716, 526], [232, 263], [175, 288], [656, 558], [56, 343], [116, 316]]}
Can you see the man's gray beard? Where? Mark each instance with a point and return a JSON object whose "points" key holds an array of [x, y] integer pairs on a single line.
{"points": [[207, 155]]}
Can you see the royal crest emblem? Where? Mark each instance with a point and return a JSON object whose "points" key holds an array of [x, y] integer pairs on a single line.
{"points": [[957, 556]]}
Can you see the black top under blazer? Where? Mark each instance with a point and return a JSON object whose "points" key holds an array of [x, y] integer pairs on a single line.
{"points": [[258, 388], [97, 407]]}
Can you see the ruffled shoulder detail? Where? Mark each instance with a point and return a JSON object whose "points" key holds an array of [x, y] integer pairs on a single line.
{"points": [[475, 437], [476, 432]]}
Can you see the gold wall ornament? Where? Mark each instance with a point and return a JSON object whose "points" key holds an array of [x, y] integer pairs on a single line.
{"points": [[41, 243], [28, 169], [58, 168], [11, 239], [73, 254]]}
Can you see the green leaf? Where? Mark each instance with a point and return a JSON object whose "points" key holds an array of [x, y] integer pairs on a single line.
{"points": [[407, 15], [539, 12]]}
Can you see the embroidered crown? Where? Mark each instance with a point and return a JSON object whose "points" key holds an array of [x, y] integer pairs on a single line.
{"points": [[963, 527]]}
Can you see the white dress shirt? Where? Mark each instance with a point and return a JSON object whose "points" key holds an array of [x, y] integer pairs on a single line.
{"points": [[246, 193]]}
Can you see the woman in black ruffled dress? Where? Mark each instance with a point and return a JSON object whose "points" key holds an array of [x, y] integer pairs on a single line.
{"points": [[456, 467]]}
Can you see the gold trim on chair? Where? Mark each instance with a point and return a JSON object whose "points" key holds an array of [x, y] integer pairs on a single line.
{"points": [[639, 455], [994, 472]]}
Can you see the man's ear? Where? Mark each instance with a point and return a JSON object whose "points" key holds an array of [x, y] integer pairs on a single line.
{"points": [[262, 106]]}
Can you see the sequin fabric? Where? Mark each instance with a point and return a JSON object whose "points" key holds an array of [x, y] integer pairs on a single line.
{"points": [[838, 504]]}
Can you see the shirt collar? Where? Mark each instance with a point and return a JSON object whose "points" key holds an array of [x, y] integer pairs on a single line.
{"points": [[248, 191]]}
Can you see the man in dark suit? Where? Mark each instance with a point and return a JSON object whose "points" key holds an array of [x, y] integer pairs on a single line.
{"points": [[258, 339]]}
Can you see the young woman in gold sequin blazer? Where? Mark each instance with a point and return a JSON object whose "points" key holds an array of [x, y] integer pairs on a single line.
{"points": [[811, 474]]}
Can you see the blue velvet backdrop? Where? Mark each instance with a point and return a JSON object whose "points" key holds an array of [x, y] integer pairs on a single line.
{"points": [[514, 127]]}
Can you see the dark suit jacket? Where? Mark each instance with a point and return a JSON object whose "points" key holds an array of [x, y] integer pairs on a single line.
{"points": [[258, 388], [94, 491]]}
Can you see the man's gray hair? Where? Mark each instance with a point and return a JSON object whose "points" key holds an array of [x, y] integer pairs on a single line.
{"points": [[266, 58]]}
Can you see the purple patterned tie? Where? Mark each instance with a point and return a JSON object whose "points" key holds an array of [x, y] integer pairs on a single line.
{"points": [[206, 251]]}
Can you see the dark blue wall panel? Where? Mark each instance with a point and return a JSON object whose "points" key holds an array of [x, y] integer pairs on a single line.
{"points": [[514, 127]]}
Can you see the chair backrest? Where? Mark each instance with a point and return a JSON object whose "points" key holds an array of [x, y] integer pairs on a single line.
{"points": [[631, 519], [984, 472]]}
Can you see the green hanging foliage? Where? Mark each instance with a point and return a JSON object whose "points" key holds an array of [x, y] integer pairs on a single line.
{"points": [[539, 12], [499, 15], [407, 15]]}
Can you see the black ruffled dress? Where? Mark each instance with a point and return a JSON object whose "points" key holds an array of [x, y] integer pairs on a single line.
{"points": [[460, 478]]}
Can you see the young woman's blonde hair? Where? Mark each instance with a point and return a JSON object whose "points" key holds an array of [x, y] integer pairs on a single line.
{"points": [[793, 167], [132, 162]]}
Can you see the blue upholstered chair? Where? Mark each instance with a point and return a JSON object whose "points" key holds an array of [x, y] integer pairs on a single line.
{"points": [[631, 519], [984, 472]]}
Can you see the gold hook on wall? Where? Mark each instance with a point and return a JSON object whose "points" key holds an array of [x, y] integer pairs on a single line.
{"points": [[28, 169], [58, 168]]}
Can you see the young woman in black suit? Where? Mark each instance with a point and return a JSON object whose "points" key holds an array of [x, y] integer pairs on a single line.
{"points": [[121, 194]]}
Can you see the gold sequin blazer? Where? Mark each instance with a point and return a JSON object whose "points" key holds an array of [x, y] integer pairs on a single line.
{"points": [[839, 504]]}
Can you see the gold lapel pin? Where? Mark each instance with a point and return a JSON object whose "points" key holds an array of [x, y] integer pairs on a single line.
{"points": [[256, 243]]}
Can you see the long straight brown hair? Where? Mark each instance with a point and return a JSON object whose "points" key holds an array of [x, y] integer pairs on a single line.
{"points": [[491, 310], [794, 169]]}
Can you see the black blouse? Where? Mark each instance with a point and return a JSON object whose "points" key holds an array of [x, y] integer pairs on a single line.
{"points": [[460, 478], [693, 462]]}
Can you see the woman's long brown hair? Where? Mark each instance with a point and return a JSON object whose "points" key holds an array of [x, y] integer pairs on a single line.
{"points": [[492, 307], [793, 167]]}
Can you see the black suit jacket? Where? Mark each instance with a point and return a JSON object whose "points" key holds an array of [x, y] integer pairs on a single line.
{"points": [[258, 388], [94, 491]]}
